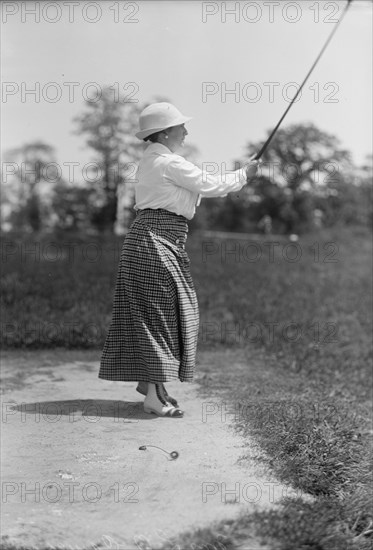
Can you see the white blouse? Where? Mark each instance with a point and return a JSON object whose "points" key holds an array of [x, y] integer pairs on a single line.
{"points": [[167, 180]]}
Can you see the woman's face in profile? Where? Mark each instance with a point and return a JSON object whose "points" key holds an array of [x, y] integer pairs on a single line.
{"points": [[176, 136]]}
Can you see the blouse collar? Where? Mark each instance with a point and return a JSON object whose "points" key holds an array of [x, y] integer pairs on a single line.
{"points": [[158, 148]]}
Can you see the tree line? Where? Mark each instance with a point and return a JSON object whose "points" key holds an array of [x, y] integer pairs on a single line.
{"points": [[307, 180]]}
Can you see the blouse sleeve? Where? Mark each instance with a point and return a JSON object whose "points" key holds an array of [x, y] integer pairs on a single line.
{"points": [[186, 174]]}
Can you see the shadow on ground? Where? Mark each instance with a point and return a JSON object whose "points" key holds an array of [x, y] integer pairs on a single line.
{"points": [[93, 409]]}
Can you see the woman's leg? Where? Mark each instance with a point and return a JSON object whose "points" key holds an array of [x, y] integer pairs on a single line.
{"points": [[156, 402], [142, 387]]}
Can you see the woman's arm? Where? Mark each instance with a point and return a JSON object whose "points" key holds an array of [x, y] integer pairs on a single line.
{"points": [[186, 174]]}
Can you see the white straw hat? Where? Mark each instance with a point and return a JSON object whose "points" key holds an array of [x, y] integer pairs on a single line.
{"points": [[157, 117]]}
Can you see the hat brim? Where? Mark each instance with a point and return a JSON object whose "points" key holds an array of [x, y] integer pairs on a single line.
{"points": [[148, 132]]}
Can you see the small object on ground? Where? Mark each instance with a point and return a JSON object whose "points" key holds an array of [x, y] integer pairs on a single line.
{"points": [[65, 475], [173, 454]]}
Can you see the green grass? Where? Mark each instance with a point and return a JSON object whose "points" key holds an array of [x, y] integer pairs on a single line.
{"points": [[319, 444], [307, 402], [10, 546], [57, 293], [304, 373]]}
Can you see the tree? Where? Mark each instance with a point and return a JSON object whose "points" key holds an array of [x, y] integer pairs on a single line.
{"points": [[110, 126], [349, 202], [73, 208], [28, 192], [301, 163]]}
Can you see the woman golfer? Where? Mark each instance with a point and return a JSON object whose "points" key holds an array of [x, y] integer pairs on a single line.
{"points": [[152, 337]]}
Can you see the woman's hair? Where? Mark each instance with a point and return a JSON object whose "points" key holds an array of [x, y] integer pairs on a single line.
{"points": [[154, 137]]}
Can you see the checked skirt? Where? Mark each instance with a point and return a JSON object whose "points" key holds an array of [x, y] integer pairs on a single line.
{"points": [[155, 318]]}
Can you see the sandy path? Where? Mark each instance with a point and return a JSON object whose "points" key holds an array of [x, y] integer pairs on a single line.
{"points": [[73, 474]]}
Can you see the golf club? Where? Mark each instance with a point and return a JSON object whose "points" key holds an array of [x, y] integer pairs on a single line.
{"points": [[264, 147]]}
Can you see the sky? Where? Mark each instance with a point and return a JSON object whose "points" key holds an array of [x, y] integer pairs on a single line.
{"points": [[193, 53]]}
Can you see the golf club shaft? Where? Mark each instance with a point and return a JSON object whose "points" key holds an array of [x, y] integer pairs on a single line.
{"points": [[264, 147]]}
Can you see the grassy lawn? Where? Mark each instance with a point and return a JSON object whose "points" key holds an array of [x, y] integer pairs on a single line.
{"points": [[298, 317]]}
